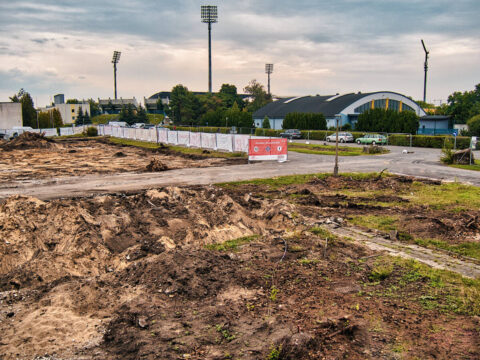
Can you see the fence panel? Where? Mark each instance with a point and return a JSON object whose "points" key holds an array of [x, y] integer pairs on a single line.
{"points": [[172, 137], [183, 138], [209, 141], [163, 135], [195, 139], [240, 143], [224, 142]]}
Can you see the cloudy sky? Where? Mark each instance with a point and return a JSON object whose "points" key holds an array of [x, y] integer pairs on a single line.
{"points": [[317, 47]]}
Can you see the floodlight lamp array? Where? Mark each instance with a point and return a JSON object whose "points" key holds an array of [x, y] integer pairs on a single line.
{"points": [[116, 57], [209, 14], [268, 68]]}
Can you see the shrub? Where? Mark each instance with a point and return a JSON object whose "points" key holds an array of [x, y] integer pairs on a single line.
{"points": [[474, 125], [91, 131], [266, 123], [303, 121]]}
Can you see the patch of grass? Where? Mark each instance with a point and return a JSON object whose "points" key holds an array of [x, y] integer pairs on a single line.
{"points": [[471, 249], [380, 222], [445, 196], [440, 289], [232, 245], [179, 149], [306, 261], [381, 271], [318, 149], [275, 352], [104, 118], [273, 293], [323, 233], [225, 333], [475, 166], [280, 181]]}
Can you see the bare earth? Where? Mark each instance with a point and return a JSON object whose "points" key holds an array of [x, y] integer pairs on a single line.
{"points": [[131, 276]]}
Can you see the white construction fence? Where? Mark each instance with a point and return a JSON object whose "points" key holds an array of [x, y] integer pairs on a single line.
{"points": [[214, 141]]}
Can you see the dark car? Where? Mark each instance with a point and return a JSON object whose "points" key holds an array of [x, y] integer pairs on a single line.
{"points": [[148, 126], [291, 134]]}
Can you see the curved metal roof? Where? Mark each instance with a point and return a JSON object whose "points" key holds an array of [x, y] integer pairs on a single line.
{"points": [[327, 105]]}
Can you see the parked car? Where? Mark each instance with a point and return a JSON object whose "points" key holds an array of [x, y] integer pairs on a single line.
{"points": [[342, 137], [148, 126], [372, 139], [291, 134]]}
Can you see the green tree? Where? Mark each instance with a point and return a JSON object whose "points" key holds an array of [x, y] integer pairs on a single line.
{"points": [[228, 96], [57, 118], [184, 107], [127, 114], [86, 118], [44, 120], [73, 101], [266, 123], [80, 120], [463, 106], [94, 108], [29, 114], [305, 121], [381, 120], [142, 115], [474, 126], [259, 95]]}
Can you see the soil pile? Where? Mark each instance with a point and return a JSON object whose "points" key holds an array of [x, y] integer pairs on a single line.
{"points": [[156, 165], [29, 140], [131, 276]]}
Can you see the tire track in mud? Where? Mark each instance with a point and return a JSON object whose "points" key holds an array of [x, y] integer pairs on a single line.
{"points": [[434, 258]]}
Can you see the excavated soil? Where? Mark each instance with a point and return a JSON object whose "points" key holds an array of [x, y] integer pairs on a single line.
{"points": [[136, 277], [32, 157]]}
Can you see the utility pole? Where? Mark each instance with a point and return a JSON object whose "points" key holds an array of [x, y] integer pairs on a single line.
{"points": [[426, 70], [335, 168]]}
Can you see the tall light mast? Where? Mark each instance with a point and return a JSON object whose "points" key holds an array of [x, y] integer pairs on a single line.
{"points": [[209, 16]]}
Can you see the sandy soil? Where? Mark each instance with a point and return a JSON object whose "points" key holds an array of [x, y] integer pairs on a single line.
{"points": [[34, 159], [129, 276]]}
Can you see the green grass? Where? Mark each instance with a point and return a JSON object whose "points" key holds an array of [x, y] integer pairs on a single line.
{"points": [[445, 196], [380, 222], [280, 181], [323, 233], [180, 149], [318, 149], [232, 245], [470, 249], [104, 118], [440, 289], [475, 166]]}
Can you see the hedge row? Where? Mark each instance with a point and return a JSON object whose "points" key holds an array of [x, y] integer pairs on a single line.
{"points": [[426, 141]]}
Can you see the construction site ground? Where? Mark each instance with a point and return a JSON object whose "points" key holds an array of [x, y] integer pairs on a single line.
{"points": [[373, 266]]}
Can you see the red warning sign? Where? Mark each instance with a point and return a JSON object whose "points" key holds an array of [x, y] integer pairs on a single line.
{"points": [[267, 149]]}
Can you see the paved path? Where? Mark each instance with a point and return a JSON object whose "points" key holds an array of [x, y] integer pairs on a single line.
{"points": [[421, 162], [434, 258]]}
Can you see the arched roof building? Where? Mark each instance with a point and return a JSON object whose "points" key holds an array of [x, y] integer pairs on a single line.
{"points": [[349, 106]]}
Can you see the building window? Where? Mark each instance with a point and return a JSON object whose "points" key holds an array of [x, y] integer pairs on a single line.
{"points": [[73, 111]]}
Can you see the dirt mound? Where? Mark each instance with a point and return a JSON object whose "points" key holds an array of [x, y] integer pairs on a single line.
{"points": [[156, 165], [29, 140]]}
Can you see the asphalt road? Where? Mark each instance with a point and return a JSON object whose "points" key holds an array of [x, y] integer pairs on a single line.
{"points": [[420, 162]]}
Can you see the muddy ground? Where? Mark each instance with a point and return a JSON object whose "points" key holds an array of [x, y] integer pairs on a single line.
{"points": [[31, 157], [137, 277]]}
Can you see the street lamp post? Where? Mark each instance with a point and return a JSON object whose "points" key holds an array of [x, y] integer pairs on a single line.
{"points": [[268, 71], [426, 70], [115, 60], [209, 16], [335, 168]]}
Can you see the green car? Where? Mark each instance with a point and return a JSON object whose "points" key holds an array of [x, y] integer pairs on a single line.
{"points": [[372, 139]]}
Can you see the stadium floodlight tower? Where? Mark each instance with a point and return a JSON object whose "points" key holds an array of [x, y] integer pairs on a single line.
{"points": [[426, 70], [115, 60], [268, 71], [209, 16]]}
